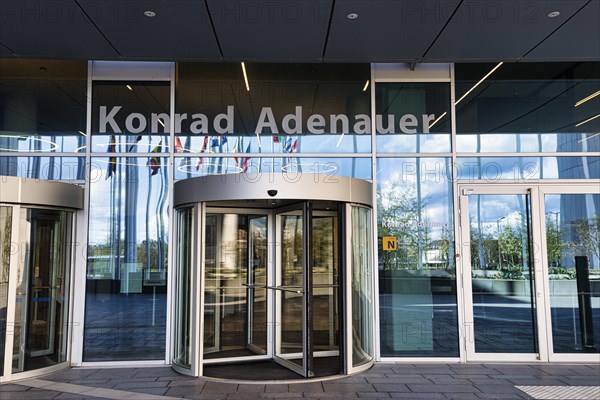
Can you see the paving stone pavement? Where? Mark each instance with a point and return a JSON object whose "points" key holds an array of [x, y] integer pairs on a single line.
{"points": [[382, 381]]}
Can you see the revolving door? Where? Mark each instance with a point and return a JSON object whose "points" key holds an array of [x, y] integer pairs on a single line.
{"points": [[277, 278]]}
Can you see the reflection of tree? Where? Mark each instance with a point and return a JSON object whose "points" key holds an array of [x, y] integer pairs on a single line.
{"points": [[5, 244], [554, 243], [586, 238], [100, 255], [504, 252], [401, 214], [510, 244]]}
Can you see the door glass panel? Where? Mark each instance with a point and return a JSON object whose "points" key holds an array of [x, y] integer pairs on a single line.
{"points": [[573, 248], [42, 289], [257, 283], [325, 283], [5, 251], [362, 293], [502, 274], [290, 297], [233, 309], [183, 317]]}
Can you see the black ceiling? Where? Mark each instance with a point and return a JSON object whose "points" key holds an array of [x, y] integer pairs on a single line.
{"points": [[302, 30]]}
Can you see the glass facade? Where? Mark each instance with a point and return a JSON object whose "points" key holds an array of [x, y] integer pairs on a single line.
{"points": [[526, 124]]}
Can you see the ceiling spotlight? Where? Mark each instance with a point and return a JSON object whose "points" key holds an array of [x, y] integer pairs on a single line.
{"points": [[352, 16], [149, 13], [553, 14]]}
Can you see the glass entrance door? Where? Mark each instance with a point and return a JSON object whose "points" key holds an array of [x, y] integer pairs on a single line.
{"points": [[293, 286], [499, 274], [306, 290]]}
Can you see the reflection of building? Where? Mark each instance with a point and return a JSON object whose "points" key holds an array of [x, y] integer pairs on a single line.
{"points": [[436, 132]]}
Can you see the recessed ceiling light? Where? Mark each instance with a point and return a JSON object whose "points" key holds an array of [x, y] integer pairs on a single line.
{"points": [[149, 13], [553, 14], [352, 16]]}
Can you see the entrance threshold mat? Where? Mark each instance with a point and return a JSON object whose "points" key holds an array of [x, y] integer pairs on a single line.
{"points": [[562, 392]]}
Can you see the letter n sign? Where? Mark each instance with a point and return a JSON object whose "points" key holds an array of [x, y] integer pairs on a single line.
{"points": [[389, 243]]}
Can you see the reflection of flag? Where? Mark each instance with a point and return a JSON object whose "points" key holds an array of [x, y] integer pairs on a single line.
{"points": [[178, 146], [218, 141], [290, 145], [134, 144], [246, 159], [154, 162], [237, 149], [112, 161], [202, 150], [277, 139]]}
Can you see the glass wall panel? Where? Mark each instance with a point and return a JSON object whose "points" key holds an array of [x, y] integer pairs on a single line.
{"points": [[42, 304], [43, 105], [573, 245], [528, 107], [413, 117], [127, 259], [186, 248], [284, 108], [417, 277], [130, 117], [5, 253], [362, 286], [48, 168], [493, 169], [235, 294], [190, 167]]}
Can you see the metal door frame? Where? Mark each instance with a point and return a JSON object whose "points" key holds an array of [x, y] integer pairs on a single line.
{"points": [[467, 336]]}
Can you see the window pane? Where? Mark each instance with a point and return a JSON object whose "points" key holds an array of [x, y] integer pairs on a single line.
{"points": [[50, 168], [417, 279], [413, 117], [517, 169], [286, 108], [528, 107], [130, 117], [572, 241], [43, 106], [190, 167], [127, 260]]}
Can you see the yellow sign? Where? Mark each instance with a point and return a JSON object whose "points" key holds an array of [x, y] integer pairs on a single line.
{"points": [[389, 243]]}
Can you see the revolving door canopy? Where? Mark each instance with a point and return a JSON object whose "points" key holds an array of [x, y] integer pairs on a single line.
{"points": [[275, 269]]}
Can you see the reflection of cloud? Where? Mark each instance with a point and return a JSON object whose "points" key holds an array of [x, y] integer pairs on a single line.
{"points": [[101, 211]]}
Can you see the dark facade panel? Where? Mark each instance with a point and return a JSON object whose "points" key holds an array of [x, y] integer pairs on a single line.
{"points": [[179, 30], [501, 31], [51, 29], [385, 30], [578, 39], [271, 31]]}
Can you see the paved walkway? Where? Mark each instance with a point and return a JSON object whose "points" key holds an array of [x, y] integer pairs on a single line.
{"points": [[383, 381]]}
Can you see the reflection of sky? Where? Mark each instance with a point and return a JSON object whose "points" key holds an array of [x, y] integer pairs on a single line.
{"points": [[493, 207], [102, 190], [402, 143], [435, 185]]}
